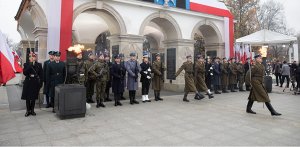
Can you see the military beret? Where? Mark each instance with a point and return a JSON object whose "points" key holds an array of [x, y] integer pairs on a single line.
{"points": [[51, 52], [121, 55], [188, 56], [106, 55], [224, 58], [157, 54], [257, 56]]}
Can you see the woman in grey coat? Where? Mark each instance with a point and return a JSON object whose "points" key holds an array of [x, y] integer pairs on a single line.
{"points": [[133, 69], [285, 72]]}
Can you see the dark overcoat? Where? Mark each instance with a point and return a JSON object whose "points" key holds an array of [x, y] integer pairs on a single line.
{"points": [[217, 74], [46, 84], [118, 73], [56, 73], [33, 81], [258, 92]]}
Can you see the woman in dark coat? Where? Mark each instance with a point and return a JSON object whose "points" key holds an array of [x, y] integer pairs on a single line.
{"points": [[118, 72], [33, 72]]}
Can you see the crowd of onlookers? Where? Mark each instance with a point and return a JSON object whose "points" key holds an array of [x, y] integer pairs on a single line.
{"points": [[289, 72]]}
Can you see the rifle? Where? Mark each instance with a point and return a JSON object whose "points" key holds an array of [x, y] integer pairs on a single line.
{"points": [[162, 71]]}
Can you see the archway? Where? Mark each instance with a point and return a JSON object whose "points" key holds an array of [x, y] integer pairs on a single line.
{"points": [[157, 29], [93, 26], [208, 39]]}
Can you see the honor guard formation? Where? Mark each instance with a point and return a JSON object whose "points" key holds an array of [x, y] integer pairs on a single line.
{"points": [[205, 76]]}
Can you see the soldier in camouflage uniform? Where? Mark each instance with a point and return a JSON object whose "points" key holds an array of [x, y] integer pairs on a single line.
{"points": [[158, 68], [225, 75], [241, 71], [89, 81], [80, 69], [101, 72], [189, 79], [258, 92], [108, 84], [200, 76], [233, 74]]}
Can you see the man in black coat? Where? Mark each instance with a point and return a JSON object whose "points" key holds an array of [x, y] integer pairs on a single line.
{"points": [[46, 83], [216, 75], [33, 82], [208, 72], [118, 72], [55, 74]]}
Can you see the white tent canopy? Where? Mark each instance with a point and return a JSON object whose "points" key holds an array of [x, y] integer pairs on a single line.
{"points": [[263, 37]]}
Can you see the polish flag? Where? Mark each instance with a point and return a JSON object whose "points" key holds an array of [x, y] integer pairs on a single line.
{"points": [[217, 8], [7, 68], [18, 68], [60, 20]]}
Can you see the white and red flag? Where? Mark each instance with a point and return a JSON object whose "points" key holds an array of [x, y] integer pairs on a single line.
{"points": [[7, 65], [60, 20]]}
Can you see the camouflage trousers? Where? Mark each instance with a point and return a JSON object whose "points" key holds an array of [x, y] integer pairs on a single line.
{"points": [[100, 90], [241, 81]]}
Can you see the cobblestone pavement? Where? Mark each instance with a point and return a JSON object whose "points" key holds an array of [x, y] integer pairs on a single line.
{"points": [[218, 121]]}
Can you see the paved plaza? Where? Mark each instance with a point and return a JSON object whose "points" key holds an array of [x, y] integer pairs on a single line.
{"points": [[218, 121]]}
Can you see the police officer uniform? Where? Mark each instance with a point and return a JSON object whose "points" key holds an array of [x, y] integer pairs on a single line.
{"points": [[55, 74], [189, 79], [216, 75], [46, 83]]}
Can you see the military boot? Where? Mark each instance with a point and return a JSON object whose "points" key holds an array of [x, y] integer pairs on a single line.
{"points": [[185, 98], [107, 99], [158, 96], [155, 96], [101, 103], [98, 104], [27, 108], [249, 106], [210, 95], [232, 88], [216, 90], [271, 109], [32, 107], [133, 98]]}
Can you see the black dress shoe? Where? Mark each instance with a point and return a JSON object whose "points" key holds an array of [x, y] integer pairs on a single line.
{"points": [[160, 99], [196, 97], [186, 100], [27, 114], [148, 100], [33, 113], [118, 103], [101, 105], [210, 96], [135, 102], [250, 111], [144, 101], [217, 92]]}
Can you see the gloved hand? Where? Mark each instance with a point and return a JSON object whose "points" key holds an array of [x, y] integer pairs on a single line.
{"points": [[149, 69], [145, 72], [148, 77], [210, 68], [211, 74]]}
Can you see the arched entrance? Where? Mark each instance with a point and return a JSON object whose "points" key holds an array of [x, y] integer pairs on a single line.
{"points": [[93, 26], [208, 40], [158, 29]]}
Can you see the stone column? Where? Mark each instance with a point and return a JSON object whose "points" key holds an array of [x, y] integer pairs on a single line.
{"points": [[41, 36], [128, 44], [183, 48]]}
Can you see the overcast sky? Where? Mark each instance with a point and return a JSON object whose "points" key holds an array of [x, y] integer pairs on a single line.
{"points": [[9, 8]]}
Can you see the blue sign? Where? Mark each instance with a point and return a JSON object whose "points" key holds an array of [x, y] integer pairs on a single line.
{"points": [[171, 3]]}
